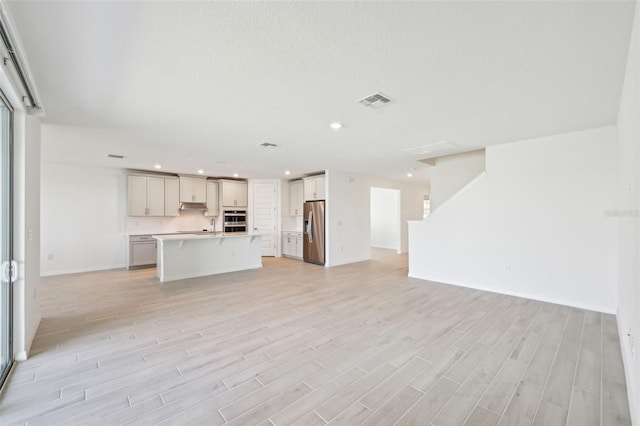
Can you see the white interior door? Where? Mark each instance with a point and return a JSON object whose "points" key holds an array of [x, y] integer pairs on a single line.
{"points": [[264, 215]]}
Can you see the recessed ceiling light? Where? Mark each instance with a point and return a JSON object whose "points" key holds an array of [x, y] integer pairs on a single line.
{"points": [[287, 172], [158, 166], [335, 125], [235, 175], [409, 174], [201, 171]]}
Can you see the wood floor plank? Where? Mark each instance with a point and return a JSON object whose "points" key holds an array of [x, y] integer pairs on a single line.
{"points": [[615, 407], [429, 404], [271, 406], [432, 373], [398, 380], [499, 392], [463, 401], [482, 417], [309, 402], [355, 414], [294, 343], [311, 419], [584, 409], [352, 393], [394, 408]]}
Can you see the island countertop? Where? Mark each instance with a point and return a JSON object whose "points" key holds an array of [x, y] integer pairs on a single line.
{"points": [[182, 256], [202, 235]]}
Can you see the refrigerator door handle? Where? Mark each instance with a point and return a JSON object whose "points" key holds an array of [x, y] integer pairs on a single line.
{"points": [[310, 227]]}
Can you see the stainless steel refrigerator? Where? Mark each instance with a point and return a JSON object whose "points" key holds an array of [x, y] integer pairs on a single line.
{"points": [[313, 233]]}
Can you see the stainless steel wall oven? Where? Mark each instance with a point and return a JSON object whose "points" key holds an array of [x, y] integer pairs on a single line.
{"points": [[235, 221]]}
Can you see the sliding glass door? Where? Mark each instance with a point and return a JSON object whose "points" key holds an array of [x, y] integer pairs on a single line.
{"points": [[8, 270]]}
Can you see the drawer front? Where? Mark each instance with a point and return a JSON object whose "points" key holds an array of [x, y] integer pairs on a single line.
{"points": [[136, 238]]}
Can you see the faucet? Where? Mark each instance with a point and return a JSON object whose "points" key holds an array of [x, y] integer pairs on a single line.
{"points": [[213, 224]]}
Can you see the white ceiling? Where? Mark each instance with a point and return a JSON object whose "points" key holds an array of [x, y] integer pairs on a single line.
{"points": [[191, 84]]}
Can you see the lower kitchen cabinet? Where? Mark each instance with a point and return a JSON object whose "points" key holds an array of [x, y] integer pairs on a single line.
{"points": [[292, 244], [142, 251], [299, 246]]}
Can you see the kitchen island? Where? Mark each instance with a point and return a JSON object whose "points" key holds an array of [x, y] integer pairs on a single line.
{"points": [[195, 255]]}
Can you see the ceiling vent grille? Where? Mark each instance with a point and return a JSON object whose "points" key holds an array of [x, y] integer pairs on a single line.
{"points": [[268, 145], [115, 156], [376, 100], [432, 148]]}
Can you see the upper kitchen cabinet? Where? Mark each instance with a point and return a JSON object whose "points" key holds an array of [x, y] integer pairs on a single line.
{"points": [[193, 189], [296, 198], [213, 208], [234, 193], [171, 197], [314, 188], [145, 196]]}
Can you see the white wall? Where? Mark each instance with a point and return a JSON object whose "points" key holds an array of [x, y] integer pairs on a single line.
{"points": [[411, 204], [385, 218], [26, 229], [348, 207], [347, 218], [453, 172], [534, 225], [26, 232], [83, 218], [628, 229]]}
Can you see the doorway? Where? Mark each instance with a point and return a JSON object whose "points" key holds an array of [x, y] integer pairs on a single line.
{"points": [[385, 218], [8, 270], [264, 215]]}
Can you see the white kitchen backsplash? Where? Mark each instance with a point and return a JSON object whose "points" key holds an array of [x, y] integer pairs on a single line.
{"points": [[189, 220], [292, 223]]}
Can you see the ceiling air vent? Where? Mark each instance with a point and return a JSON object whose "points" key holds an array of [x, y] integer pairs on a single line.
{"points": [[268, 145], [115, 156], [376, 100]]}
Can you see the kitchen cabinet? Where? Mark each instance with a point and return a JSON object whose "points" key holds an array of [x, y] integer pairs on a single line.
{"points": [[145, 196], [142, 251], [213, 208], [296, 198], [299, 245], [314, 188], [292, 244], [234, 193], [193, 189], [171, 197]]}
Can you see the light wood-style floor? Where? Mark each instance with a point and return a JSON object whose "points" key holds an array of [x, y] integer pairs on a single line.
{"points": [[294, 343]]}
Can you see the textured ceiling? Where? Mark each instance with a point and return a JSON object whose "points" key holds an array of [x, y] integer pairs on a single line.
{"points": [[194, 84]]}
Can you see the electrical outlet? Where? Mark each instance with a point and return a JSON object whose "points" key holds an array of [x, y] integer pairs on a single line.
{"points": [[507, 268], [50, 256]]}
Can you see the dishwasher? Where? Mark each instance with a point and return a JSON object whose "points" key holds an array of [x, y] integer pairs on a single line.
{"points": [[142, 251]]}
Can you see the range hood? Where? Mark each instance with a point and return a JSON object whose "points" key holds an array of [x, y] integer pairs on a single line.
{"points": [[193, 206]]}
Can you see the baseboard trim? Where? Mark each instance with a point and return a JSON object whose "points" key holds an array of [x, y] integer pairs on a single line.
{"points": [[624, 349], [81, 270], [30, 337], [523, 295]]}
